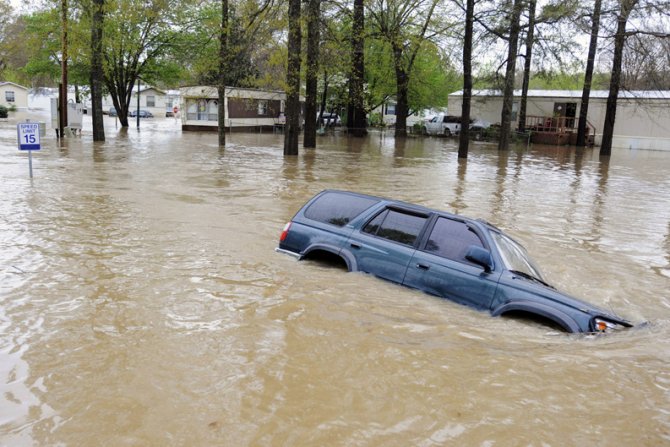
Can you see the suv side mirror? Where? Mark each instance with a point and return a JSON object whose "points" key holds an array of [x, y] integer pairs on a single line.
{"points": [[481, 257]]}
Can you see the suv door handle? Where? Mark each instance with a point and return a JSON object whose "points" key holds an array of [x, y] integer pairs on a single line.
{"points": [[423, 266], [355, 245]]}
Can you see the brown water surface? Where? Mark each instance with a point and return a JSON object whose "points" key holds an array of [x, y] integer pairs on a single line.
{"points": [[142, 302]]}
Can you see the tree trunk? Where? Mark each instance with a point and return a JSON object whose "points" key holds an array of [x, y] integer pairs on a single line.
{"points": [[464, 138], [530, 36], [120, 82], [121, 108], [293, 80], [97, 74], [324, 97], [224, 57], [588, 76], [313, 36], [508, 93], [402, 87], [356, 119], [615, 81]]}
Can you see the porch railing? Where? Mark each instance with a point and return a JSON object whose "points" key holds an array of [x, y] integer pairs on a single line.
{"points": [[556, 124]]}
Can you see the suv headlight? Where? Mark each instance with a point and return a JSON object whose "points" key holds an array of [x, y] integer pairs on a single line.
{"points": [[602, 325]]}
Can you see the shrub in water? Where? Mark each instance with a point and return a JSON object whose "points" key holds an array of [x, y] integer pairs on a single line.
{"points": [[4, 113]]}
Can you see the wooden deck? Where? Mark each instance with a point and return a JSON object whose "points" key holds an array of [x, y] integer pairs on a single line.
{"points": [[558, 130]]}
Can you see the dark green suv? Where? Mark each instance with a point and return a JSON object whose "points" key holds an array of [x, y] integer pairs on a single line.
{"points": [[465, 260]]}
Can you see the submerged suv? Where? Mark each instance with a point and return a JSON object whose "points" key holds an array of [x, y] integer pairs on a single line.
{"points": [[468, 261]]}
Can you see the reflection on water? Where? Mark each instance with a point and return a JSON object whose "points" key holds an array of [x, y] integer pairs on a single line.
{"points": [[141, 301]]}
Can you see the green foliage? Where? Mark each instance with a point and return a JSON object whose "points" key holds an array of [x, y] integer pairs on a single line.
{"points": [[272, 68], [42, 42], [379, 74], [376, 120], [4, 112], [172, 42], [544, 80], [565, 80], [431, 78], [556, 11], [252, 48], [5, 13], [140, 41]]}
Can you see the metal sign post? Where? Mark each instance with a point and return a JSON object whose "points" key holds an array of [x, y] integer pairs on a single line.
{"points": [[28, 135]]}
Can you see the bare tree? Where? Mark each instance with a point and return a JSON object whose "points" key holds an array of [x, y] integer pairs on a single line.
{"points": [[293, 80], [356, 119], [311, 76], [97, 69], [224, 57], [464, 138], [508, 91], [626, 7], [646, 64], [528, 59], [588, 75]]}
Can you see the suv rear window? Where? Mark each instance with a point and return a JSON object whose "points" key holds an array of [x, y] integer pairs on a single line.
{"points": [[337, 208]]}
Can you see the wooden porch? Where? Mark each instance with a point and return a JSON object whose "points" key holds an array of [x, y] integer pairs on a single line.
{"points": [[557, 130]]}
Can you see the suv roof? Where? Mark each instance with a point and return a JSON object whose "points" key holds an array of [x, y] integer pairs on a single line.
{"points": [[408, 206]]}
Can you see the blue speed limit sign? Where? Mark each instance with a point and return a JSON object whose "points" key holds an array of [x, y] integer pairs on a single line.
{"points": [[29, 136]]}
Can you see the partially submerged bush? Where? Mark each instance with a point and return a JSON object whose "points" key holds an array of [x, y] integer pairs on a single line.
{"points": [[4, 113]]}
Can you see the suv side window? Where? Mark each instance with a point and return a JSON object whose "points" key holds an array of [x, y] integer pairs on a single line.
{"points": [[396, 226], [337, 208], [451, 239]]}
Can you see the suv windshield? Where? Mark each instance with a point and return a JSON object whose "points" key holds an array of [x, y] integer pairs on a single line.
{"points": [[515, 257]]}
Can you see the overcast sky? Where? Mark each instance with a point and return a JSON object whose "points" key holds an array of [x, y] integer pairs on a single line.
{"points": [[21, 5]]}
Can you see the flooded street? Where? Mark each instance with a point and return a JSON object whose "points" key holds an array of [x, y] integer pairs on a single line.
{"points": [[142, 302]]}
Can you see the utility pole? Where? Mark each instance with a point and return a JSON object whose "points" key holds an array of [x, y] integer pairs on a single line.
{"points": [[138, 102], [62, 116]]}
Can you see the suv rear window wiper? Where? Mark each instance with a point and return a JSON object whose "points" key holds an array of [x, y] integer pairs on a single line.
{"points": [[531, 277]]}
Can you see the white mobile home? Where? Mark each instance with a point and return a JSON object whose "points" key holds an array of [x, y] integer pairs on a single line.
{"points": [[152, 99], [642, 117]]}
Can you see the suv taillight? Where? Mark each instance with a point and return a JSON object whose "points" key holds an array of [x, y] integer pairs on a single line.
{"points": [[284, 233]]}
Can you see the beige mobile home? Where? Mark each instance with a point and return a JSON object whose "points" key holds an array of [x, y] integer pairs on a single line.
{"points": [[642, 117], [246, 109], [13, 95]]}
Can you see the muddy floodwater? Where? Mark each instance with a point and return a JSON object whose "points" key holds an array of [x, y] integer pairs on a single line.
{"points": [[142, 302]]}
